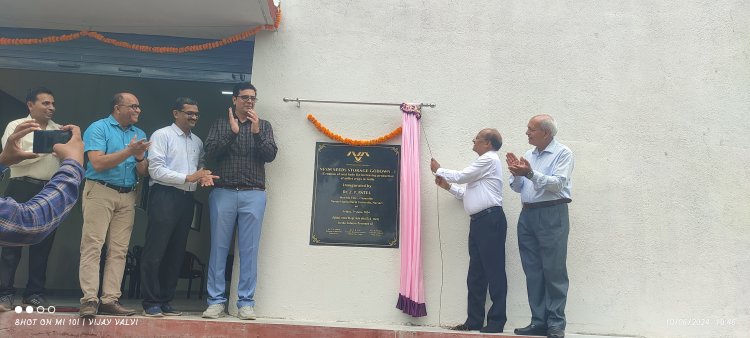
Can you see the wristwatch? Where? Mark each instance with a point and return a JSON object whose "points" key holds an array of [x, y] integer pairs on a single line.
{"points": [[530, 174]]}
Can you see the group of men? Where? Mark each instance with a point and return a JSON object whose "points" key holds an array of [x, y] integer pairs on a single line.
{"points": [[42, 190], [44, 187], [543, 178]]}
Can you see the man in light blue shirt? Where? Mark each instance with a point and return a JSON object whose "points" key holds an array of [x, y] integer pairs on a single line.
{"points": [[542, 176], [116, 150], [175, 166]]}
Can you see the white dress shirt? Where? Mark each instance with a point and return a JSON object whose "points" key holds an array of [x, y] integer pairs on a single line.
{"points": [[40, 168], [552, 169], [484, 183], [173, 156]]}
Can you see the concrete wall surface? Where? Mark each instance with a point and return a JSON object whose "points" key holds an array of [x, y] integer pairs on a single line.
{"points": [[651, 96]]}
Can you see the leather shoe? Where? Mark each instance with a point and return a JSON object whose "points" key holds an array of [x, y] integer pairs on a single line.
{"points": [[492, 328], [555, 332], [463, 327], [89, 309], [115, 309], [532, 330]]}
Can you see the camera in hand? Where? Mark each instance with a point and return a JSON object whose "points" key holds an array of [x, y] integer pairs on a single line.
{"points": [[44, 140]]}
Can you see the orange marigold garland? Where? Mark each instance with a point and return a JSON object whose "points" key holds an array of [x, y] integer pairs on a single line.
{"points": [[178, 50], [35, 41], [349, 141], [144, 48], [277, 21]]}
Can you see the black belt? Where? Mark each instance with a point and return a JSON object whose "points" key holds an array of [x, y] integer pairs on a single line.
{"points": [[546, 203], [122, 190], [239, 187], [169, 187], [486, 212], [30, 180]]}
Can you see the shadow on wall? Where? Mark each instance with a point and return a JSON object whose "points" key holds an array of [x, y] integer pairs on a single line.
{"points": [[11, 108]]}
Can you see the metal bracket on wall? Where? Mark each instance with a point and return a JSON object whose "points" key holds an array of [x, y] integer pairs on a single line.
{"points": [[299, 102]]}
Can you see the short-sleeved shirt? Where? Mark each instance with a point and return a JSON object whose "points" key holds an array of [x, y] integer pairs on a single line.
{"points": [[42, 167], [107, 136]]}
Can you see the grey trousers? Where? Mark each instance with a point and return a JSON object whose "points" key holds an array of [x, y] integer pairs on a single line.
{"points": [[543, 244]]}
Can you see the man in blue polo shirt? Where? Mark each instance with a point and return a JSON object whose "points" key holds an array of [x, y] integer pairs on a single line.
{"points": [[117, 156]]}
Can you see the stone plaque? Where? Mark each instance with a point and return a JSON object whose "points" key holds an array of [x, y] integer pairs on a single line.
{"points": [[356, 195]]}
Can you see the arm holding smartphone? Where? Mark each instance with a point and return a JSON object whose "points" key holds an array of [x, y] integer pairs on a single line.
{"points": [[12, 152], [29, 223], [71, 150]]}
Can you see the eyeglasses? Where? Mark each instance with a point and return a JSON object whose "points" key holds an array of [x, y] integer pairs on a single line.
{"points": [[478, 139], [197, 115], [132, 106], [247, 98]]}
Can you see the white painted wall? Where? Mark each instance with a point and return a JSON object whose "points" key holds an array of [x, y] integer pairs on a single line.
{"points": [[652, 96]]}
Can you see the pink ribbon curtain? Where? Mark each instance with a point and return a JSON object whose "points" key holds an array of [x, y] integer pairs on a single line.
{"points": [[411, 291]]}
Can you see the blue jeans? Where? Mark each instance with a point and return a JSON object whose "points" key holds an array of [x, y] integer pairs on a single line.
{"points": [[244, 208]]}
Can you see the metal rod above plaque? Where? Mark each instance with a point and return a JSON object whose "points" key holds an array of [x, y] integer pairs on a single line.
{"points": [[356, 195]]}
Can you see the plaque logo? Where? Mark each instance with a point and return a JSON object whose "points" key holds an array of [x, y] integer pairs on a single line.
{"points": [[358, 155]]}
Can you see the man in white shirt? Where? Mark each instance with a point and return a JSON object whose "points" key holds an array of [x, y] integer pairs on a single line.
{"points": [[542, 177], [483, 201], [27, 179], [175, 166]]}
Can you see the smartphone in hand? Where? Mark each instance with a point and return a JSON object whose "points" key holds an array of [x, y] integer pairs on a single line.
{"points": [[44, 140]]}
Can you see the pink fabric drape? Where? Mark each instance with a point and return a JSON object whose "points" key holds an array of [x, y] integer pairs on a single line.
{"points": [[411, 291]]}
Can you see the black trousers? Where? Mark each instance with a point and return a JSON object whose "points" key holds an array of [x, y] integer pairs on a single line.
{"points": [[23, 191], [170, 213], [487, 269]]}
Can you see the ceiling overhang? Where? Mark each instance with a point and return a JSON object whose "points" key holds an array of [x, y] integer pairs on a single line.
{"points": [[213, 19]]}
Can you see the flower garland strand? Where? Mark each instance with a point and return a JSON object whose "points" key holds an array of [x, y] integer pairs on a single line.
{"points": [[144, 48], [349, 141]]}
